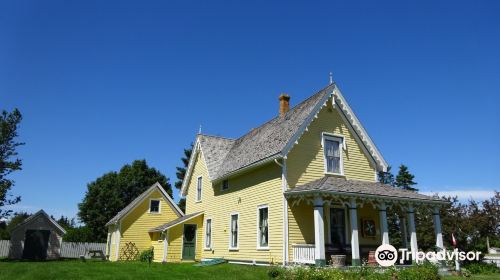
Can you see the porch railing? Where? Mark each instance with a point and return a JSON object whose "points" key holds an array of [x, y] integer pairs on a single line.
{"points": [[303, 253]]}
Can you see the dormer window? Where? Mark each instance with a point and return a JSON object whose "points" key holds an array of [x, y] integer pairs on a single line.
{"points": [[332, 146]]}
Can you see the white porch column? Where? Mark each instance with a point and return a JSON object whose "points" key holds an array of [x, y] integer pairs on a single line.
{"points": [[413, 233], [437, 228], [319, 232], [384, 229], [356, 261]]}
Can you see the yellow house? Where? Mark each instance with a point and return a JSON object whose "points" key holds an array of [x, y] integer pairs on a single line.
{"points": [[128, 231], [297, 189]]}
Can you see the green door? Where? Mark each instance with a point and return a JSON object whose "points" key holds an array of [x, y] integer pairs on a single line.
{"points": [[35, 244], [189, 242]]}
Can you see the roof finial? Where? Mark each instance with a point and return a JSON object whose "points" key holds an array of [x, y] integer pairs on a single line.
{"points": [[331, 78], [199, 131]]}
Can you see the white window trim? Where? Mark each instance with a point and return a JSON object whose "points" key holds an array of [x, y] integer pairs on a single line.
{"points": [[211, 234], [335, 137], [258, 228], [159, 206], [231, 233], [222, 185], [201, 189]]}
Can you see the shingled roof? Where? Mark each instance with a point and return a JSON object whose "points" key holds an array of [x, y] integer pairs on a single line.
{"points": [[175, 222], [342, 186], [273, 139], [140, 198]]}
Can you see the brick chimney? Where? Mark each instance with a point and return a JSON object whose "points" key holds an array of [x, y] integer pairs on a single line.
{"points": [[284, 103]]}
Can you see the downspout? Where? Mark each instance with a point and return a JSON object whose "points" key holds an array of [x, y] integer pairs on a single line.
{"points": [[284, 187]]}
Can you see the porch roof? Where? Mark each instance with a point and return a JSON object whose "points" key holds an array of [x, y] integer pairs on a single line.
{"points": [[342, 186], [175, 222]]}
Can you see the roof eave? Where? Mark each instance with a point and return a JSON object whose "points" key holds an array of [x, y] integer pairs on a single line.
{"points": [[382, 197]]}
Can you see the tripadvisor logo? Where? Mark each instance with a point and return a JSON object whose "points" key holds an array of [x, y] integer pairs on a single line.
{"points": [[387, 255]]}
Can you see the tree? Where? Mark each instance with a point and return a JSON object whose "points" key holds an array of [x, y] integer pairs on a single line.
{"points": [[16, 219], [9, 123], [110, 193], [79, 234], [65, 222], [404, 179], [181, 173], [386, 177]]}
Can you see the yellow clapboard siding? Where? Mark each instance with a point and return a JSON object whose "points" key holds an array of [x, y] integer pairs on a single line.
{"points": [[135, 226], [305, 161], [175, 239], [261, 186]]}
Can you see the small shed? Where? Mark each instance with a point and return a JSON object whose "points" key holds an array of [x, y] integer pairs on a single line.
{"points": [[38, 237]]}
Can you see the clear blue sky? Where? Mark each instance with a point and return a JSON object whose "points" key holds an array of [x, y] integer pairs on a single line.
{"points": [[101, 83]]}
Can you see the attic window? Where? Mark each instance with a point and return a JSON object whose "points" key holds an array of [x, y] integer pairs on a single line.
{"points": [[154, 206], [333, 154], [225, 185]]}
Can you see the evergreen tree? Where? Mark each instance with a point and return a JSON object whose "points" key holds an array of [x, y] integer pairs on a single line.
{"points": [[181, 173], [386, 177], [9, 123], [404, 179]]}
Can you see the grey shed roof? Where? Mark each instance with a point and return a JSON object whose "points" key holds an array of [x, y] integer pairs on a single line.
{"points": [[330, 184], [175, 222], [142, 196], [36, 215]]}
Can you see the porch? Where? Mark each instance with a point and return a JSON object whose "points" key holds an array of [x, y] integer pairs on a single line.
{"points": [[335, 216]]}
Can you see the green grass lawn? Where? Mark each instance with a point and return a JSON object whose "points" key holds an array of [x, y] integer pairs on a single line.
{"points": [[130, 270], [74, 269]]}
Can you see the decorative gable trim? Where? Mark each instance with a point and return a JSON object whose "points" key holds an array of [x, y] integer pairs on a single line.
{"points": [[189, 172], [362, 137]]}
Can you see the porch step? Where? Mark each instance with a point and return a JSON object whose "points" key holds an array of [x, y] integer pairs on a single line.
{"points": [[209, 262]]}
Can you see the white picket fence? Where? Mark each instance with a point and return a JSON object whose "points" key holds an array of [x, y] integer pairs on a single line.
{"points": [[68, 249], [77, 249]]}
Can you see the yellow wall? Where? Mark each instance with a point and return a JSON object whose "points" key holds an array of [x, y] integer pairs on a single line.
{"points": [[136, 225], [305, 161], [246, 192], [175, 239]]}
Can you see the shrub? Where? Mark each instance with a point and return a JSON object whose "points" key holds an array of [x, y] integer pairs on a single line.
{"points": [[425, 271], [482, 268], [147, 255], [275, 272]]}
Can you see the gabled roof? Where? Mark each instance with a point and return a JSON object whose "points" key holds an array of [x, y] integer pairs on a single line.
{"points": [[274, 139], [38, 214], [173, 223], [140, 198], [342, 186]]}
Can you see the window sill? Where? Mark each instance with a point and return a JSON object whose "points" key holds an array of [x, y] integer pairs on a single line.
{"points": [[233, 249], [263, 248], [207, 249], [197, 201], [335, 174], [154, 213]]}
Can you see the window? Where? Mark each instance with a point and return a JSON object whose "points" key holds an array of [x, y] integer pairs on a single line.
{"points": [[263, 227], [198, 189], [233, 240], [154, 206], [333, 154], [225, 185], [208, 234], [337, 227]]}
